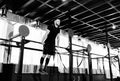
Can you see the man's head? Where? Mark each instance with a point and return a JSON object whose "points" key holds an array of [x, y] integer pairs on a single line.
{"points": [[57, 22]]}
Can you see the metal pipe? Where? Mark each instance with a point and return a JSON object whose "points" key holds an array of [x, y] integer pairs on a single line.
{"points": [[20, 64], [9, 52], [103, 67], [118, 63], [108, 50], [90, 65], [70, 59], [70, 32]]}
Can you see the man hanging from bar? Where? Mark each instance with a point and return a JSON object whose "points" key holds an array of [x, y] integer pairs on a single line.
{"points": [[48, 41]]}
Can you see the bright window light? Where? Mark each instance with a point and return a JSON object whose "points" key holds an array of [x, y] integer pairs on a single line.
{"points": [[63, 0], [113, 26]]}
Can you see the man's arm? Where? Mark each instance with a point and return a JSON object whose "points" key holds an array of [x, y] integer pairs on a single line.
{"points": [[45, 36], [58, 39]]}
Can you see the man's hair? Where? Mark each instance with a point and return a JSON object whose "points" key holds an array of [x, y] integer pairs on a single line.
{"points": [[52, 20]]}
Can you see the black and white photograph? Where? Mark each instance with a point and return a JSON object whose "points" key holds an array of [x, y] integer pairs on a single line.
{"points": [[59, 40]]}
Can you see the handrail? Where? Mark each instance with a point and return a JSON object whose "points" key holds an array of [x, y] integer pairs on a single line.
{"points": [[42, 44], [24, 47]]}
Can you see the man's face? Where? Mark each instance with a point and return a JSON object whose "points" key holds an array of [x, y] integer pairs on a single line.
{"points": [[57, 22]]}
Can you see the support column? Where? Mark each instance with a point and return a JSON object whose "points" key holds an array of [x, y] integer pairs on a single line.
{"points": [[108, 50], [20, 64], [70, 32], [118, 63], [9, 52], [70, 56], [103, 67], [90, 63]]}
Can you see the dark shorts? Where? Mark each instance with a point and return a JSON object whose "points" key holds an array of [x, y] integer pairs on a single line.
{"points": [[49, 49]]}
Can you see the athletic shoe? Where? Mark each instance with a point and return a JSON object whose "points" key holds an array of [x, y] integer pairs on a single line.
{"points": [[42, 72]]}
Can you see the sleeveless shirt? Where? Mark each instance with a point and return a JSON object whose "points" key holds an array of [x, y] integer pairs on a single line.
{"points": [[52, 34]]}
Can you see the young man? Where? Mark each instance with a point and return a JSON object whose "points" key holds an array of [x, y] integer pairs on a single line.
{"points": [[49, 44]]}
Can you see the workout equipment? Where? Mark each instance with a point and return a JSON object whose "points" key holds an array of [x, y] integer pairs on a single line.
{"points": [[8, 72], [23, 31], [108, 50], [70, 32], [10, 34], [88, 48], [90, 62]]}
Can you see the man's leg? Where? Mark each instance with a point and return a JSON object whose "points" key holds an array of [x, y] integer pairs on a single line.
{"points": [[47, 62], [41, 62]]}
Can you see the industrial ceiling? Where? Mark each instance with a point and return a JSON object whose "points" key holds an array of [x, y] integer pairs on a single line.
{"points": [[88, 18]]}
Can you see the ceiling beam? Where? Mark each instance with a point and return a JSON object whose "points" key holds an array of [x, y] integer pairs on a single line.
{"points": [[27, 3], [34, 11], [63, 13]]}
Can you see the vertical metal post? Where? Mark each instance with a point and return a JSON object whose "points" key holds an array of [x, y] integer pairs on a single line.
{"points": [[108, 49], [70, 48], [9, 52], [103, 67], [20, 64], [118, 63], [90, 64], [70, 56]]}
